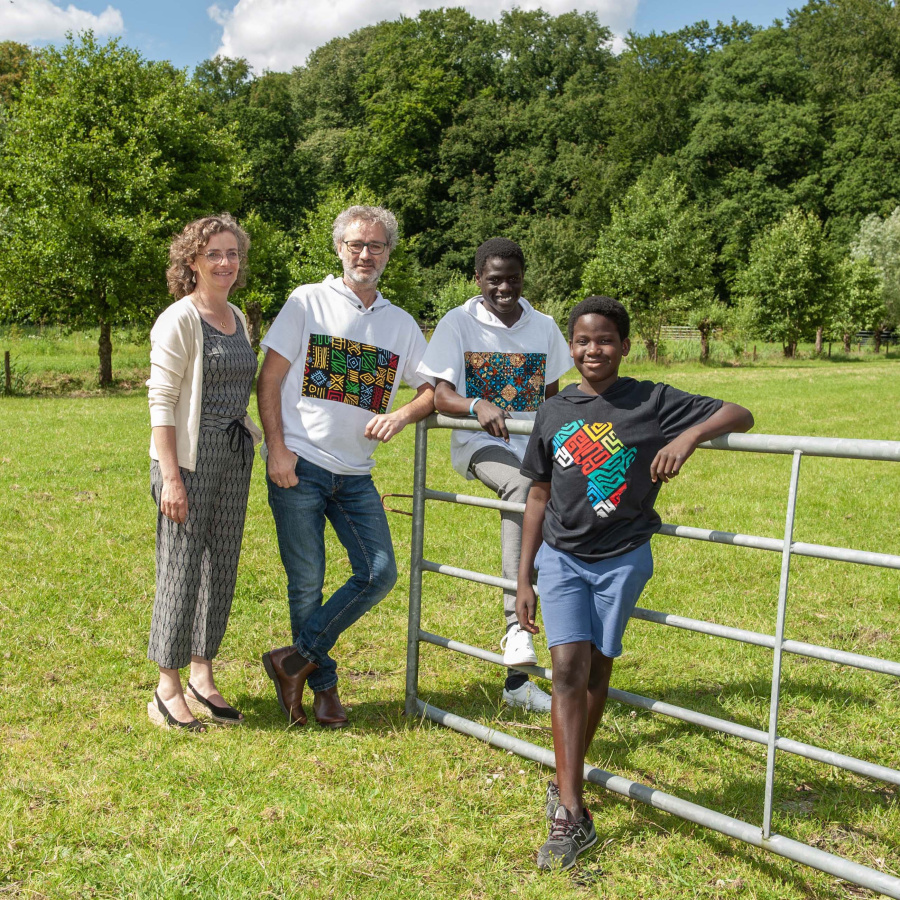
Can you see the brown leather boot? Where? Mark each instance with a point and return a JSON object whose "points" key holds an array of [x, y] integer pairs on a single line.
{"points": [[328, 710], [289, 687]]}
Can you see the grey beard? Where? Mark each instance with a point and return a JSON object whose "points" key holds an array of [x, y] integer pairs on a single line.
{"points": [[358, 278]]}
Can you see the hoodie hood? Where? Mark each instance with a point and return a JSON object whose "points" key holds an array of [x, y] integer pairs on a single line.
{"points": [[337, 284], [475, 307], [571, 394]]}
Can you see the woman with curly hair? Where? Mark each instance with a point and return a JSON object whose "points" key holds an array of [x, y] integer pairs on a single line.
{"points": [[201, 449]]}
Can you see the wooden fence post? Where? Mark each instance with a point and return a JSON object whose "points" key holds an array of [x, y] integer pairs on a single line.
{"points": [[7, 372]]}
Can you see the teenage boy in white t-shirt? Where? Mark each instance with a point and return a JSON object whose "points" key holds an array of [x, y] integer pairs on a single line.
{"points": [[334, 359], [495, 358]]}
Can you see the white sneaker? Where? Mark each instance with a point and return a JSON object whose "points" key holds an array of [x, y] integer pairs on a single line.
{"points": [[518, 648], [529, 696]]}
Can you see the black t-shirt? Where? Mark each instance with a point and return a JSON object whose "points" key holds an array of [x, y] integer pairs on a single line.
{"points": [[596, 454]]}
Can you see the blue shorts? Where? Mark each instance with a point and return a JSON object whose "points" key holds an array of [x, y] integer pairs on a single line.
{"points": [[583, 601]]}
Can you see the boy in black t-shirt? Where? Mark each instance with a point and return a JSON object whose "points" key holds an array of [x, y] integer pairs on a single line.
{"points": [[597, 457]]}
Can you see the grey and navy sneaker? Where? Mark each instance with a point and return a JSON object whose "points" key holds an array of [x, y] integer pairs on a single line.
{"points": [[552, 800], [567, 839]]}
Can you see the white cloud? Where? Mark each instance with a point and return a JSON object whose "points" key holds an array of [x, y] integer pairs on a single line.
{"points": [[42, 20], [280, 34]]}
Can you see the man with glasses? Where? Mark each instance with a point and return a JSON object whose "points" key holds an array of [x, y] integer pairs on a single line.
{"points": [[334, 359]]}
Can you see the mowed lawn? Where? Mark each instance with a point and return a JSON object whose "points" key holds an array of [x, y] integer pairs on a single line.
{"points": [[95, 801]]}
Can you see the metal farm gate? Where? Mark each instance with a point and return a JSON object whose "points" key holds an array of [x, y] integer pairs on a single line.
{"points": [[758, 836]]}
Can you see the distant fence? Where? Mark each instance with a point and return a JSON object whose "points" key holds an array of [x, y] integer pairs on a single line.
{"points": [[686, 333]]}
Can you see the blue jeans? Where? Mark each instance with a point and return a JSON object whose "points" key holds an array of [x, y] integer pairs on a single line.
{"points": [[352, 505]]}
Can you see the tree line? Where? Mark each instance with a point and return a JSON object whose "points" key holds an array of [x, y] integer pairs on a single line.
{"points": [[724, 175]]}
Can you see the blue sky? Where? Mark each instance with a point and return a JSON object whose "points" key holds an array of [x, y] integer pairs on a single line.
{"points": [[278, 34]]}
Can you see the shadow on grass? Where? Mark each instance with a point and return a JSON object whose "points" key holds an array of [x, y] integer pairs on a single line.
{"points": [[262, 713], [796, 693], [739, 793], [482, 701]]}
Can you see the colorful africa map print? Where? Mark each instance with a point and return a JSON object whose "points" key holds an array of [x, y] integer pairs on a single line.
{"points": [[512, 381], [349, 372], [603, 458]]}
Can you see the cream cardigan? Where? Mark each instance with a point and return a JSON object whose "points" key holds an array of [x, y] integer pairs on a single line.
{"points": [[176, 378]]}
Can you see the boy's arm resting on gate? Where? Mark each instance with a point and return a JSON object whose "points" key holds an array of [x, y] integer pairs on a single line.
{"points": [[490, 417], [728, 418], [526, 599]]}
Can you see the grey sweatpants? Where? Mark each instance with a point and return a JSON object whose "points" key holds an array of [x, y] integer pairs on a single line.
{"points": [[498, 469]]}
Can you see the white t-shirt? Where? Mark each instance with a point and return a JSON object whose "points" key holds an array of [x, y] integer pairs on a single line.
{"points": [[509, 366], [346, 366]]}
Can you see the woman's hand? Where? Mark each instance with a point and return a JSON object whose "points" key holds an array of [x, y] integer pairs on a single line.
{"points": [[173, 502]]}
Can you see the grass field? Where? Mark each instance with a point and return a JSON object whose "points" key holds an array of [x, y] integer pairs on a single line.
{"points": [[97, 802]]}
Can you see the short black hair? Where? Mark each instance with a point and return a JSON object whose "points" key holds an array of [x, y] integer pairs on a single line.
{"points": [[601, 306], [502, 248]]}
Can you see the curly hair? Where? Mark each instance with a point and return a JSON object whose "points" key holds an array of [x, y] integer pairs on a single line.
{"points": [[499, 248], [602, 306], [184, 249], [370, 215]]}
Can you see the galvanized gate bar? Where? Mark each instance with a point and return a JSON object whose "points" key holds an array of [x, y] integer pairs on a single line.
{"points": [[692, 812], [797, 748], [798, 548], [841, 448], [415, 569], [797, 648], [838, 448], [751, 541], [797, 446], [779, 642]]}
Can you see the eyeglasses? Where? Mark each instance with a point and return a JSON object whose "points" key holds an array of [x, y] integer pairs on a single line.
{"points": [[376, 248], [216, 256]]}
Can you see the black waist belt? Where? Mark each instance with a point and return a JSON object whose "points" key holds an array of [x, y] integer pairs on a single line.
{"points": [[240, 440]]}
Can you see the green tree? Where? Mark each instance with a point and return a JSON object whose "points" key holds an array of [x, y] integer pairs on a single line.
{"points": [[851, 47], [222, 80], [261, 113], [706, 315], [269, 279], [852, 51], [106, 157], [858, 301], [789, 281], [756, 148], [329, 107], [657, 82], [453, 292], [879, 240], [655, 256], [14, 61], [465, 129], [862, 160]]}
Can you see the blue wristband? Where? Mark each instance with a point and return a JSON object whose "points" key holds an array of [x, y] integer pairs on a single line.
{"points": [[472, 406]]}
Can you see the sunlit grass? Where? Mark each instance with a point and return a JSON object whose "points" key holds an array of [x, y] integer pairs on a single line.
{"points": [[96, 802]]}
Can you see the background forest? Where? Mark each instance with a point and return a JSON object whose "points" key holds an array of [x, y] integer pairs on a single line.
{"points": [[728, 176]]}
